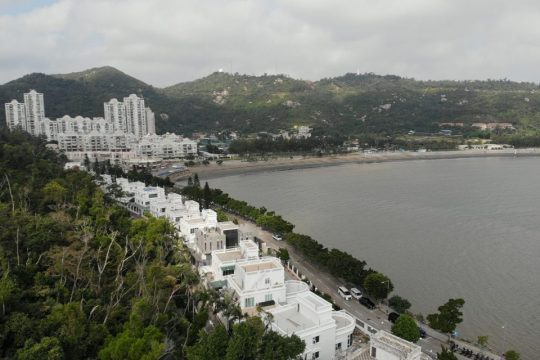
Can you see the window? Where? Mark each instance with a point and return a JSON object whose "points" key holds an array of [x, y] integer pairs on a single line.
{"points": [[268, 297], [267, 281], [374, 352], [152, 196], [315, 339], [338, 346], [227, 270], [315, 355], [349, 341], [249, 302]]}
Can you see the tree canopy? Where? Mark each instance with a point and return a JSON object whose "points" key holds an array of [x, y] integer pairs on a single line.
{"points": [[378, 285], [448, 317], [406, 328]]}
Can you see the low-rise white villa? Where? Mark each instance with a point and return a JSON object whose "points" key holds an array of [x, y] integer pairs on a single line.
{"points": [[385, 346]]}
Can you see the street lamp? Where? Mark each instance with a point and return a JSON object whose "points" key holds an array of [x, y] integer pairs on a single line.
{"points": [[504, 340], [387, 287]]}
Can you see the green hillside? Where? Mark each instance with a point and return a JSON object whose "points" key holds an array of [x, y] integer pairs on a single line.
{"points": [[348, 104]]}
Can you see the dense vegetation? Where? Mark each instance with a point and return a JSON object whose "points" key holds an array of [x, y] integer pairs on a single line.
{"points": [[348, 105], [280, 145], [81, 279]]}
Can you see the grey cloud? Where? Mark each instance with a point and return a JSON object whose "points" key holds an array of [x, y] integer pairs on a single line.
{"points": [[166, 41]]}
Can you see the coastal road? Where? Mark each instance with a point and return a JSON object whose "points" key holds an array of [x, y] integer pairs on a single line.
{"points": [[377, 318]]}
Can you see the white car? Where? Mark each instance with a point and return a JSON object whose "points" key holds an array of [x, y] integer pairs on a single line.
{"points": [[277, 237], [357, 294]]}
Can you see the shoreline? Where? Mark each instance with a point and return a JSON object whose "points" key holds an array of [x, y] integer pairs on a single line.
{"points": [[238, 167]]}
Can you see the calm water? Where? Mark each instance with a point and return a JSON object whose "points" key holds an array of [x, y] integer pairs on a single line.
{"points": [[465, 228]]}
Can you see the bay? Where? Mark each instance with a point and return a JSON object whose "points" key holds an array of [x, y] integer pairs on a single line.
{"points": [[439, 229]]}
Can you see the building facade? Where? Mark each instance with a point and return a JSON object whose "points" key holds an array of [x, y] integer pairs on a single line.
{"points": [[15, 115]]}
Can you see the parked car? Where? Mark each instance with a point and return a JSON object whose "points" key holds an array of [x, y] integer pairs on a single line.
{"points": [[357, 294], [393, 316], [367, 302], [423, 334], [344, 293], [277, 237]]}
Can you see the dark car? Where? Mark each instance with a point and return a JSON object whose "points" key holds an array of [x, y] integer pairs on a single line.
{"points": [[367, 303], [423, 334], [392, 317]]}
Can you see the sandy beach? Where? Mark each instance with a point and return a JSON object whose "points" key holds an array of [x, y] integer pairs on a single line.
{"points": [[236, 167]]}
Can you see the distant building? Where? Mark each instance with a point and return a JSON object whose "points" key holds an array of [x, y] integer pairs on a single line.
{"points": [[15, 115], [165, 146], [34, 107], [126, 127], [493, 126]]}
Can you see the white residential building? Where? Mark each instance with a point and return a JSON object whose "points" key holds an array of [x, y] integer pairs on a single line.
{"points": [[223, 262], [165, 146], [149, 194], [304, 132], [136, 116], [326, 332], [115, 114], [258, 282], [15, 115], [34, 107], [385, 346], [150, 121]]}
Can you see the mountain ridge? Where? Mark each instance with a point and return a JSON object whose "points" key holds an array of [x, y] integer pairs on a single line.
{"points": [[346, 104]]}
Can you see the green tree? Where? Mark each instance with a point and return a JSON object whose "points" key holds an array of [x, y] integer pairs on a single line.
{"points": [[283, 254], [134, 343], [189, 181], [212, 346], [48, 348], [246, 339], [276, 347], [378, 285], [448, 317], [86, 162], [207, 195], [55, 192], [7, 287], [446, 354], [512, 355], [196, 181], [406, 328], [399, 304], [483, 340]]}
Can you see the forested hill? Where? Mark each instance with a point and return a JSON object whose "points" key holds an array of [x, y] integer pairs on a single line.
{"points": [[81, 279], [348, 104]]}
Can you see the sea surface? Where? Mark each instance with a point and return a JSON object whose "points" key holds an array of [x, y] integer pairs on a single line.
{"points": [[439, 229]]}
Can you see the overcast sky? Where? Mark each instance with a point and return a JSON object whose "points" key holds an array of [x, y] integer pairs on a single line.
{"points": [[163, 42]]}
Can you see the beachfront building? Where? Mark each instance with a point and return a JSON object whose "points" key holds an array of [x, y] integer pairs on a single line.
{"points": [[258, 283], [327, 333], [167, 146], [385, 346], [223, 262]]}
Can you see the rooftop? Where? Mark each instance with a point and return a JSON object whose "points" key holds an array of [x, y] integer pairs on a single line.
{"points": [[227, 225], [228, 255], [258, 266], [291, 321], [398, 345]]}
